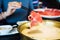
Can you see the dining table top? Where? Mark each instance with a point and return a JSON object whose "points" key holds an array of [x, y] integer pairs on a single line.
{"points": [[11, 37], [17, 36]]}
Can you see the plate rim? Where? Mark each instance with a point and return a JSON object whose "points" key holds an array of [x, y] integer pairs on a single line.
{"points": [[49, 16]]}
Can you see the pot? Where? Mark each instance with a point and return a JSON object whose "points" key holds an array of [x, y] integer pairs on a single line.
{"points": [[25, 25]]}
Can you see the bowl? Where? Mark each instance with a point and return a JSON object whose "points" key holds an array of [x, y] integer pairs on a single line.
{"points": [[5, 29], [51, 31]]}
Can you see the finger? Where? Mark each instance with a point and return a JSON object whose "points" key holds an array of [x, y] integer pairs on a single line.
{"points": [[16, 5], [20, 4], [10, 4], [13, 10]]}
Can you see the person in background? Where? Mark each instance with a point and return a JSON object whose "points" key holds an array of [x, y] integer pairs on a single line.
{"points": [[51, 3], [13, 12]]}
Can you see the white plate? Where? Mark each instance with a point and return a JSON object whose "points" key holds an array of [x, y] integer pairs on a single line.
{"points": [[14, 31], [50, 16], [39, 9], [44, 16]]}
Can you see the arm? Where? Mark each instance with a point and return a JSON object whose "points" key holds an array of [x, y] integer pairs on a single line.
{"points": [[12, 6], [3, 15]]}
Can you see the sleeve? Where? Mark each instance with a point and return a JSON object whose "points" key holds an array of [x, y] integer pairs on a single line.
{"points": [[0, 6], [0, 3]]}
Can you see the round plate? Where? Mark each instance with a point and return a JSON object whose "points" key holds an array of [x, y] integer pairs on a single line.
{"points": [[50, 16], [45, 16], [39, 9]]}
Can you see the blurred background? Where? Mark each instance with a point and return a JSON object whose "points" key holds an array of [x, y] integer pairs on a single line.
{"points": [[51, 3]]}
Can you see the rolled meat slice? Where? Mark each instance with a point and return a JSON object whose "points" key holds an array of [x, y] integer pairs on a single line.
{"points": [[35, 18]]}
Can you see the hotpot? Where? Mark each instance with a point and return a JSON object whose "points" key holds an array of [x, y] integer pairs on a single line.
{"points": [[24, 25]]}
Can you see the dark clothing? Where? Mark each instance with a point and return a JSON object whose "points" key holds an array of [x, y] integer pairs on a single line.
{"points": [[19, 14]]}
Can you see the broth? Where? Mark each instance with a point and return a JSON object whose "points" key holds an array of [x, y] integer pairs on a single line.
{"points": [[43, 31]]}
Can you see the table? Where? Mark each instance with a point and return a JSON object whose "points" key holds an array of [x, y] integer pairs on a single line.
{"points": [[17, 36], [11, 37]]}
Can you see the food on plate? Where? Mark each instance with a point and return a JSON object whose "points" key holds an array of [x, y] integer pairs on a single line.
{"points": [[43, 31], [50, 12], [3, 28]]}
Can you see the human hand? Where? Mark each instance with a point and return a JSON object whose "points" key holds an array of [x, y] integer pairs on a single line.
{"points": [[12, 6]]}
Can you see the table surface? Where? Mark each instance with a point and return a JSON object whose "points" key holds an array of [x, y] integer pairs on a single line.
{"points": [[17, 36], [11, 37]]}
